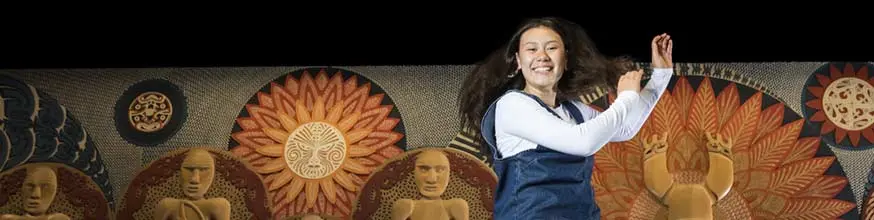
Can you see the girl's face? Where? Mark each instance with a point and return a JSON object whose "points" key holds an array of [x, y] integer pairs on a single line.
{"points": [[541, 57]]}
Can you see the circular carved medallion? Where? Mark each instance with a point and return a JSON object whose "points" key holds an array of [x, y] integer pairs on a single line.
{"points": [[315, 150], [847, 102], [150, 112], [837, 101], [314, 135]]}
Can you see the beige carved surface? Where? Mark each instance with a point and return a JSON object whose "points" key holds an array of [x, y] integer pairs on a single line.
{"points": [[150, 111], [848, 103], [469, 180], [431, 172], [196, 177], [315, 150], [689, 197], [233, 181], [170, 189], [75, 196]]}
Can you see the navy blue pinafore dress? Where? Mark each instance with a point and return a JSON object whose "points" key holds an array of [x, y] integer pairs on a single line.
{"points": [[541, 183]]}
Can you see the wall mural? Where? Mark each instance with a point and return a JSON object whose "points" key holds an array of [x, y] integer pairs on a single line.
{"points": [[330, 143], [718, 149], [314, 136], [150, 112], [36, 128]]}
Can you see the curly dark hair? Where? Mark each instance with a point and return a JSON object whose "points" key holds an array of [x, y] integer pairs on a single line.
{"points": [[587, 69]]}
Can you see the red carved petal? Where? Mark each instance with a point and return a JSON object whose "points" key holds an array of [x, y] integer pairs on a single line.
{"points": [[816, 103], [868, 134], [848, 70], [854, 137], [818, 116], [827, 127], [863, 72], [840, 134], [834, 72], [823, 80], [816, 91]]}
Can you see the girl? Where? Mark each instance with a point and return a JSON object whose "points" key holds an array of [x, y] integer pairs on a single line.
{"points": [[523, 102]]}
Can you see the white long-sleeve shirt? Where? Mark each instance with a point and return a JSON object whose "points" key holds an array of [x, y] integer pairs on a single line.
{"points": [[521, 123]]}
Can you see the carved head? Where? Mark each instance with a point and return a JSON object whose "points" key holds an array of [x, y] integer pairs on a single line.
{"points": [[432, 173], [718, 144], [197, 172], [655, 144], [39, 189]]}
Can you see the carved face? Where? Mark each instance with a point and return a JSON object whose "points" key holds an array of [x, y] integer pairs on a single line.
{"points": [[315, 150], [39, 190], [198, 170], [432, 173]]}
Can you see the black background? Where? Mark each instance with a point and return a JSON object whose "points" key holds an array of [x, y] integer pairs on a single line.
{"points": [[254, 38]]}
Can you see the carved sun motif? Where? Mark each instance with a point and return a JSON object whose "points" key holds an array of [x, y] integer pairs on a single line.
{"points": [[843, 102], [712, 145], [315, 141]]}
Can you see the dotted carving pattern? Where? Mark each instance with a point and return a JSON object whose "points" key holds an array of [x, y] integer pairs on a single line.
{"points": [[234, 181], [470, 179], [77, 196]]}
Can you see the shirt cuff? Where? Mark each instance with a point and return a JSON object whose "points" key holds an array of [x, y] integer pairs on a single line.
{"points": [[627, 95], [661, 71]]}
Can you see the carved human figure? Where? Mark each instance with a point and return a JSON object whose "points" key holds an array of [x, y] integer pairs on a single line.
{"points": [[688, 200], [720, 176], [432, 177], [38, 191], [197, 172]]}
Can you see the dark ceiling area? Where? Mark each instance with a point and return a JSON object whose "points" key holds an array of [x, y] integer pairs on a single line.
{"points": [[427, 39]]}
